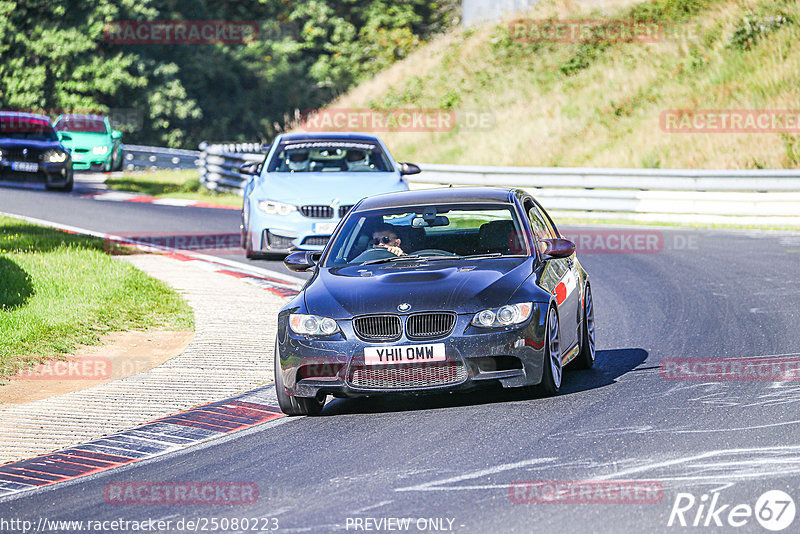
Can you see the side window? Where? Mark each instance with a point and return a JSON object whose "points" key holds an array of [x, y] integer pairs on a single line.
{"points": [[539, 223]]}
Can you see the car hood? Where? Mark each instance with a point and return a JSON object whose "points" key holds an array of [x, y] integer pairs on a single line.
{"points": [[301, 189], [458, 285], [87, 140], [28, 143]]}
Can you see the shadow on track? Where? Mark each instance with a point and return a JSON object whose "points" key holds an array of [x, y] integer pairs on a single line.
{"points": [[610, 365]]}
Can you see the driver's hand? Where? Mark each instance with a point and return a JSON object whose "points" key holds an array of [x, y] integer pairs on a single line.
{"points": [[397, 251]]}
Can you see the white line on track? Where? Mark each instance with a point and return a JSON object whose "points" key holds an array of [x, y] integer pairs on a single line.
{"points": [[294, 281]]}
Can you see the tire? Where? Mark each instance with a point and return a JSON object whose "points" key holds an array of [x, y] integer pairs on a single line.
{"points": [[293, 405], [66, 188], [552, 372], [120, 159], [587, 355]]}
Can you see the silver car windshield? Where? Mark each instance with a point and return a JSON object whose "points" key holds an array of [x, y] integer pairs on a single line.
{"points": [[329, 156]]}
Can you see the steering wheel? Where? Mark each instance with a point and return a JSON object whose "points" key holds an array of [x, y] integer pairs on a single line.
{"points": [[377, 253], [433, 252]]}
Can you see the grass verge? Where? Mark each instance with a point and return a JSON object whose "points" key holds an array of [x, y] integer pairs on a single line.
{"points": [[171, 184], [58, 290]]}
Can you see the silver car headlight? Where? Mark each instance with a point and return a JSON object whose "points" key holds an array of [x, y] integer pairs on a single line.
{"points": [[1, 155], [55, 156], [100, 150], [312, 325], [276, 208], [509, 315]]}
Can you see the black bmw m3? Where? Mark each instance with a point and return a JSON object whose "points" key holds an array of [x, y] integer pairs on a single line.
{"points": [[435, 290], [31, 151]]}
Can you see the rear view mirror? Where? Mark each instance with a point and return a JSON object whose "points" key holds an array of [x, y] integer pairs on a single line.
{"points": [[251, 169], [420, 222], [557, 248], [409, 168]]}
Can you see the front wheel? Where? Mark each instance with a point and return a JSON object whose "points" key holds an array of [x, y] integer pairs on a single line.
{"points": [[293, 405], [586, 356], [552, 372]]}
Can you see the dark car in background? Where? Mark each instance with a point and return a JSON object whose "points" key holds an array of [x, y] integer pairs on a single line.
{"points": [[30, 151], [94, 145], [435, 290]]}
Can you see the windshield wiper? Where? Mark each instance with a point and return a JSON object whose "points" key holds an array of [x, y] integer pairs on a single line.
{"points": [[491, 255], [410, 257]]}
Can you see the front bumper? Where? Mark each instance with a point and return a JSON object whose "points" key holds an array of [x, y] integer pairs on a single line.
{"points": [[512, 356], [56, 174], [83, 161], [286, 233]]}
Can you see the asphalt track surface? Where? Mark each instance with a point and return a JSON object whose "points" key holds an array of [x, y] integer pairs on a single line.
{"points": [[706, 294]]}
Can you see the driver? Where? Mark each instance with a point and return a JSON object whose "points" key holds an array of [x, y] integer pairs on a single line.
{"points": [[297, 160], [357, 160], [384, 235]]}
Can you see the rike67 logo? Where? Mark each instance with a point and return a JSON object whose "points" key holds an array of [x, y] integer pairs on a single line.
{"points": [[774, 510]]}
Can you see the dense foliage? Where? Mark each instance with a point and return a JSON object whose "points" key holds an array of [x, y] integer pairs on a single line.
{"points": [[55, 55]]}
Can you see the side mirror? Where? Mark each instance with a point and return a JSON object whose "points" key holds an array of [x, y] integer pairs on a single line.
{"points": [[116, 134], [63, 136], [557, 248], [251, 169], [409, 168], [301, 261]]}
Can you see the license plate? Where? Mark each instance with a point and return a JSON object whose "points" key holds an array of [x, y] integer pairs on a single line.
{"points": [[324, 228], [24, 166], [404, 354]]}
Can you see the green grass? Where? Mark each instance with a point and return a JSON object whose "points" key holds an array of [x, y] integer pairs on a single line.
{"points": [[58, 290], [171, 184], [599, 104]]}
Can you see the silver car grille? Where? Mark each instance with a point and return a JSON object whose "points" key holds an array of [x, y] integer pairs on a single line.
{"points": [[317, 212]]}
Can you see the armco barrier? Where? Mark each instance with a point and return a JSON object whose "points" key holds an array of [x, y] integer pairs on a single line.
{"points": [[136, 157], [219, 164], [749, 197]]}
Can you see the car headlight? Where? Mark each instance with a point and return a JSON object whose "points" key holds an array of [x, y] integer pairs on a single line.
{"points": [[276, 208], [504, 316], [1, 155], [55, 156], [100, 150], [312, 325]]}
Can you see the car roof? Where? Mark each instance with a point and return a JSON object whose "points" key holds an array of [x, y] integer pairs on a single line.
{"points": [[351, 136], [445, 195], [24, 115], [82, 116]]}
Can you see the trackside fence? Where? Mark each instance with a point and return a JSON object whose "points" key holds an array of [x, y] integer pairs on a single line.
{"points": [[747, 197]]}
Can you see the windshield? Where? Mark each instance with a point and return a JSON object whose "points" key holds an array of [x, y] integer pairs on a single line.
{"points": [[329, 156], [78, 123], [27, 128], [449, 231]]}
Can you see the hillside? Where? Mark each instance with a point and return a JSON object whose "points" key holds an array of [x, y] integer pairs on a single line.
{"points": [[600, 103]]}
